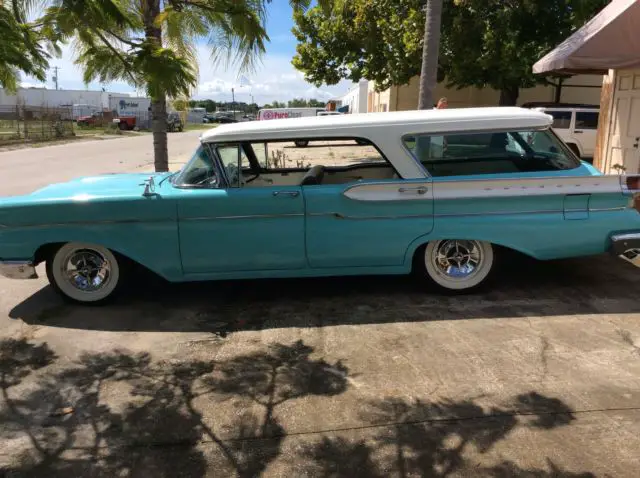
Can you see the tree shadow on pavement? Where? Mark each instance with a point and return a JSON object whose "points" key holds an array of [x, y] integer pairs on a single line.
{"points": [[434, 439], [526, 288], [121, 414]]}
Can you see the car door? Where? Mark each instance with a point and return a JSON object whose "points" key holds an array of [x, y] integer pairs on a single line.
{"points": [[231, 228], [362, 214]]}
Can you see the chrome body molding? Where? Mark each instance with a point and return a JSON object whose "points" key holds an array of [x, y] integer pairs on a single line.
{"points": [[251, 216], [338, 215], [18, 270], [84, 223], [484, 188], [627, 247]]}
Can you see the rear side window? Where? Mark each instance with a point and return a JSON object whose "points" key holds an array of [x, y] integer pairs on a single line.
{"points": [[490, 153], [587, 120], [561, 119]]}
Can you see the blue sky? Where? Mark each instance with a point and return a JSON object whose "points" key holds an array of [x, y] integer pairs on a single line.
{"points": [[274, 78]]}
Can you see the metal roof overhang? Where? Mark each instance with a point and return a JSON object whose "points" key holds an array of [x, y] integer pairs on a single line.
{"points": [[610, 40]]}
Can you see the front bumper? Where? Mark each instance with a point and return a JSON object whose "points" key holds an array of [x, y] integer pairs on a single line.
{"points": [[627, 247], [18, 270]]}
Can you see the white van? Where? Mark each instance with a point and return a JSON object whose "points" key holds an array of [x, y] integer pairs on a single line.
{"points": [[576, 125]]}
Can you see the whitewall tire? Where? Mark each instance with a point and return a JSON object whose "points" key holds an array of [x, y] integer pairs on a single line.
{"points": [[85, 273], [458, 265]]}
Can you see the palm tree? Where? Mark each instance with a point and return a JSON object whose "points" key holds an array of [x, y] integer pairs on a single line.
{"points": [[22, 48], [430, 50], [152, 44]]}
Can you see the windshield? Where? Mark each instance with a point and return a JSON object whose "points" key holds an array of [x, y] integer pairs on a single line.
{"points": [[199, 171]]}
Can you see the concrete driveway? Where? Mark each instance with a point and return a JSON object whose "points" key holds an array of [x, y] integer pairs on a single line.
{"points": [[370, 377]]}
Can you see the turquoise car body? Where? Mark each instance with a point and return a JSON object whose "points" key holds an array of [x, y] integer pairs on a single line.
{"points": [[230, 233]]}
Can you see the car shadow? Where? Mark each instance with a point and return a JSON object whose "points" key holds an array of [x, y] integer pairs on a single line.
{"points": [[523, 288]]}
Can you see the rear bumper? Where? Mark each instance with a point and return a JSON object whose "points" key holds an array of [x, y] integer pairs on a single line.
{"points": [[18, 270], [627, 247]]}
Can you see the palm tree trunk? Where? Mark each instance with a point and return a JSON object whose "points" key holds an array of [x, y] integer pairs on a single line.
{"points": [[153, 33], [430, 50]]}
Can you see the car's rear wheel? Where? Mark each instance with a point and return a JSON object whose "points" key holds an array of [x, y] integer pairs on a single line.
{"points": [[457, 265], [85, 273]]}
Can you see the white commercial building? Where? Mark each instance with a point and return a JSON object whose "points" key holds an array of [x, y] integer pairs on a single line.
{"points": [[355, 99], [123, 103]]}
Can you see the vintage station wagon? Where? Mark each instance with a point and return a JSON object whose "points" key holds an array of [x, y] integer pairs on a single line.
{"points": [[440, 192]]}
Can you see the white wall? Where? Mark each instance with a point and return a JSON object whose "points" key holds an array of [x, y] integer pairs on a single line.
{"points": [[46, 97], [355, 98]]}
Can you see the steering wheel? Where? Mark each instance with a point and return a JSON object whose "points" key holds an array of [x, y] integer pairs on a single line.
{"points": [[252, 179]]}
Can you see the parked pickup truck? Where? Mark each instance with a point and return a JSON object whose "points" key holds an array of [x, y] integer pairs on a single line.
{"points": [[125, 122], [98, 118]]}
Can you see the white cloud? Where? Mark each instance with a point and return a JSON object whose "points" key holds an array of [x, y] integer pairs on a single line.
{"points": [[273, 79]]}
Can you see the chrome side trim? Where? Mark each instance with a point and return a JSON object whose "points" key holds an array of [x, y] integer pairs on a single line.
{"points": [[603, 209], [18, 270], [252, 216], [502, 213], [338, 215], [83, 223]]}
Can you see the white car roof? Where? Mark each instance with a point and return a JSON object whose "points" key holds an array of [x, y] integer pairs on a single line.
{"points": [[385, 130], [376, 125]]}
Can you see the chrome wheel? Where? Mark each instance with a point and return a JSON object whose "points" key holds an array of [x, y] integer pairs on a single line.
{"points": [[85, 273], [457, 264], [458, 259], [86, 269]]}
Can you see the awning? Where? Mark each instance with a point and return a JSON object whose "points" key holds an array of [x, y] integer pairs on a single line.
{"points": [[610, 40]]}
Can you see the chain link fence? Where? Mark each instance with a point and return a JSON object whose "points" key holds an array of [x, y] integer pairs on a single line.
{"points": [[32, 123]]}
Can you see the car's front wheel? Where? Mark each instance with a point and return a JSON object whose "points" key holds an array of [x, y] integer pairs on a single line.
{"points": [[85, 273], [458, 265]]}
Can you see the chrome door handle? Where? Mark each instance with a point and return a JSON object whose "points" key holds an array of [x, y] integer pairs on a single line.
{"points": [[419, 190], [292, 194]]}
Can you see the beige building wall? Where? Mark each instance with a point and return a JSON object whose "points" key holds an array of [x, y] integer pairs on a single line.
{"points": [[578, 89]]}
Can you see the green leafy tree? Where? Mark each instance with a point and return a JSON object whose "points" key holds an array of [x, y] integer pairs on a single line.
{"points": [[152, 44], [23, 44], [502, 40], [313, 103], [297, 103], [484, 43]]}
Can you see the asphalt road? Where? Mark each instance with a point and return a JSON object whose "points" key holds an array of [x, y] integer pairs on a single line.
{"points": [[538, 377], [24, 170]]}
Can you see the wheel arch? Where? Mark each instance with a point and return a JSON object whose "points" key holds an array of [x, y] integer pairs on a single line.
{"points": [[47, 251], [575, 148], [422, 241]]}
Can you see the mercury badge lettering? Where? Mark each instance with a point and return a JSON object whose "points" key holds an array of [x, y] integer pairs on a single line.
{"points": [[442, 193]]}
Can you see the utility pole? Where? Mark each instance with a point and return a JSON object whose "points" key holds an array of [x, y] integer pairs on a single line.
{"points": [[55, 75], [233, 103]]}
